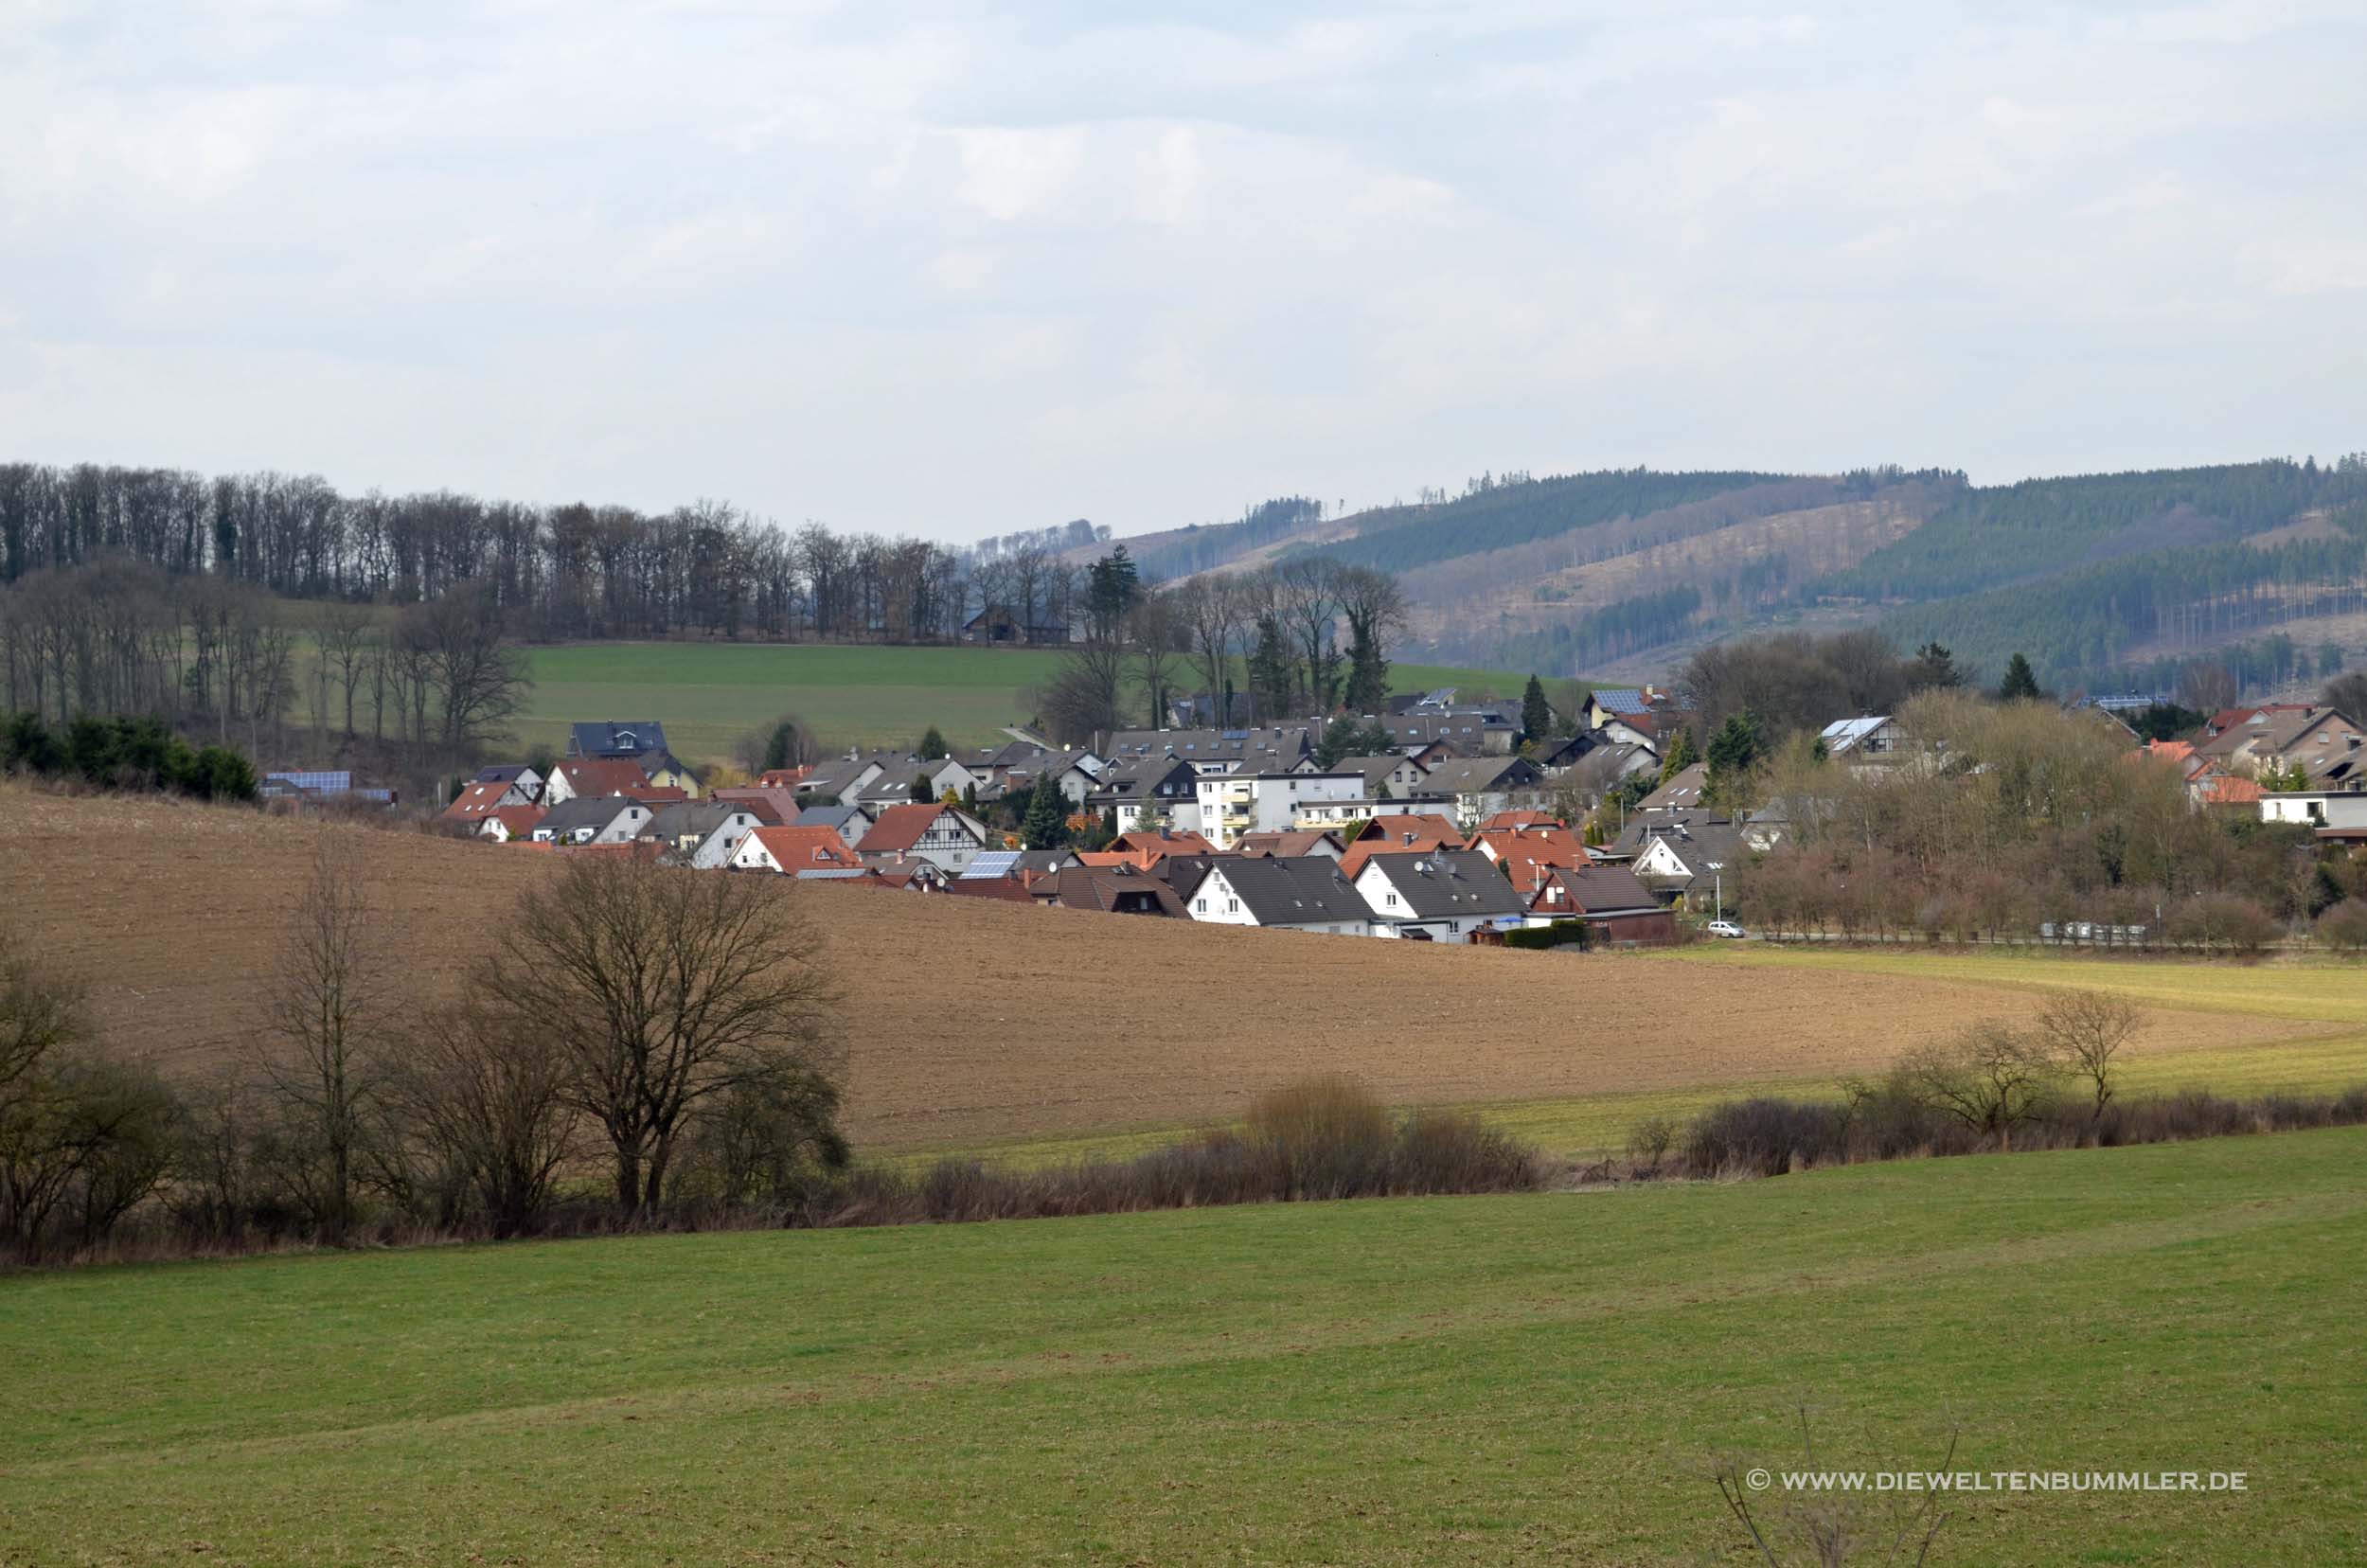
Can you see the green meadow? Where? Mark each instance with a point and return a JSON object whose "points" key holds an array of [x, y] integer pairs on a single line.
{"points": [[709, 694], [1538, 1378]]}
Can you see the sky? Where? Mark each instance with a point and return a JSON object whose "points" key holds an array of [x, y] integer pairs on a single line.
{"points": [[952, 270]]}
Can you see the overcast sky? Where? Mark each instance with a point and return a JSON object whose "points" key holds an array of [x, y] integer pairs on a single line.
{"points": [[956, 269]]}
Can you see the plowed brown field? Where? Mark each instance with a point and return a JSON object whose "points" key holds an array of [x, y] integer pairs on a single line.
{"points": [[975, 1019]]}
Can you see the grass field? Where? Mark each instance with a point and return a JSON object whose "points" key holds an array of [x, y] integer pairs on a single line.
{"points": [[1540, 1379], [709, 694]]}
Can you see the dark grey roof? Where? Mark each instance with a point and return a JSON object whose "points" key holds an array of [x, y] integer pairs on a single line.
{"points": [[682, 818], [1277, 746], [834, 817], [1469, 774], [1139, 778], [1448, 882], [1561, 751], [1601, 890], [1463, 726], [1697, 844], [1681, 793], [615, 737], [1116, 889], [1308, 890], [501, 772], [593, 811], [1374, 769]]}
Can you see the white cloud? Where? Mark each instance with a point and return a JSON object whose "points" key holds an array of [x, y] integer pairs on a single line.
{"points": [[959, 268]]}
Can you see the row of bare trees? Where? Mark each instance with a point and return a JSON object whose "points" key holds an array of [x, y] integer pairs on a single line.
{"points": [[560, 572], [118, 636], [1261, 646], [658, 1036]]}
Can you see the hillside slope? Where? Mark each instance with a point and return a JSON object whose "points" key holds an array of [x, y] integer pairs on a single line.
{"points": [[2106, 579], [969, 1021]]}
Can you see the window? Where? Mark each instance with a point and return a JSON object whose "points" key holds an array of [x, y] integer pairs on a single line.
{"points": [[1393, 901], [1232, 906], [1202, 905]]}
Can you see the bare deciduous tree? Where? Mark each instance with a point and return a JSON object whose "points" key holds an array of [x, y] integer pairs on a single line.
{"points": [[1991, 1078], [342, 633], [663, 990], [2086, 1030], [1832, 1527], [478, 679], [485, 1088], [325, 1015], [1214, 612]]}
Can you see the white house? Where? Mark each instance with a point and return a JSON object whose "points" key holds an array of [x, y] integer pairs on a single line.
{"points": [[1874, 737], [794, 851], [945, 836], [2315, 808], [715, 852], [592, 819], [1233, 804], [1305, 894], [1442, 896]]}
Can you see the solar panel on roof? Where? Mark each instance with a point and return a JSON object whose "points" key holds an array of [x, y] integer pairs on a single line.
{"points": [[993, 865]]}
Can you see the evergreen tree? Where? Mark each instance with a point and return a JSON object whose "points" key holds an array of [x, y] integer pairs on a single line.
{"points": [[933, 747], [1271, 673], [1341, 738], [1368, 673], [1046, 826], [1738, 746], [1681, 754], [1537, 715], [2021, 685], [1933, 669], [969, 798]]}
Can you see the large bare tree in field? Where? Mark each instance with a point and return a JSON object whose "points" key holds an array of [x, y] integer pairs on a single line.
{"points": [[664, 989], [2087, 1029], [327, 1005], [485, 1087]]}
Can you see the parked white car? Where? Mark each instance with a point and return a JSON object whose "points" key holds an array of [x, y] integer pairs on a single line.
{"points": [[1725, 928]]}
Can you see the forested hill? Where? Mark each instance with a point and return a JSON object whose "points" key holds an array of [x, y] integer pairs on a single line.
{"points": [[2101, 579]]}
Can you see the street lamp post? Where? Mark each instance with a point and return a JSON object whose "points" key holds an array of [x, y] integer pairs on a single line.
{"points": [[1718, 888]]}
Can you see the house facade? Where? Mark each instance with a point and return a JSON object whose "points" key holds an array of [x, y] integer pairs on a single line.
{"points": [[1442, 896], [1233, 804], [945, 836], [1283, 895]]}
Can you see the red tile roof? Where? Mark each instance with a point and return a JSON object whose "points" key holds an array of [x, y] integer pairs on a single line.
{"points": [[517, 821], [475, 803], [2228, 789], [901, 826], [597, 776], [805, 849]]}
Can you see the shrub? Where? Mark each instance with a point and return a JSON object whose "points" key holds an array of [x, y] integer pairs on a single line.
{"points": [[2343, 926], [2221, 920]]}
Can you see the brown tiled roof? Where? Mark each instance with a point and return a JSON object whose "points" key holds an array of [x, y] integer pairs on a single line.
{"points": [[804, 849], [476, 803], [901, 826], [517, 821], [774, 807], [595, 776]]}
